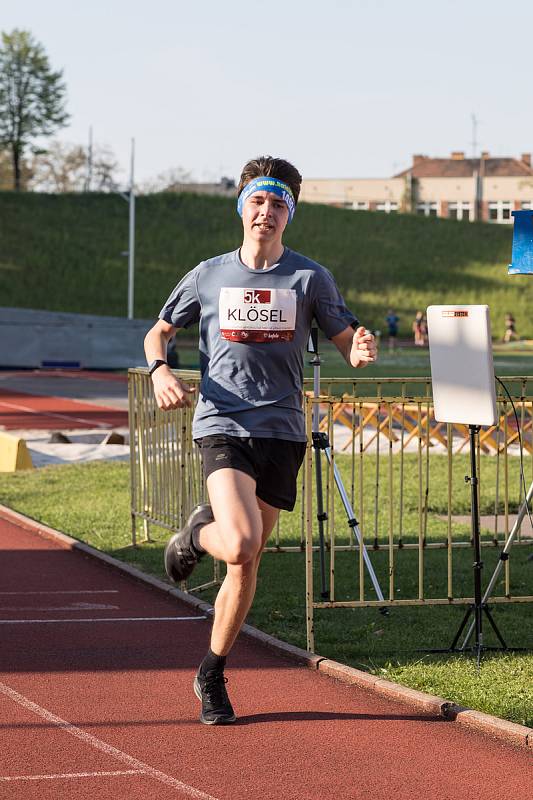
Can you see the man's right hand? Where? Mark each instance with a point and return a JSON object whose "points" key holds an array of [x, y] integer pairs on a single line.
{"points": [[170, 392]]}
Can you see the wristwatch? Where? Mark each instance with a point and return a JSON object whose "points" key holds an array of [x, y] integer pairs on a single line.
{"points": [[155, 364]]}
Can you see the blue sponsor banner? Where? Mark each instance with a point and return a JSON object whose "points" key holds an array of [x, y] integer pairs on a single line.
{"points": [[522, 243]]}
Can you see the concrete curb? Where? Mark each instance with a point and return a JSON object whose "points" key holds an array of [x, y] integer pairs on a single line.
{"points": [[495, 727]]}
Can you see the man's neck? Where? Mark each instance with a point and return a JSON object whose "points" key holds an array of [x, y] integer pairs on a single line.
{"points": [[257, 255]]}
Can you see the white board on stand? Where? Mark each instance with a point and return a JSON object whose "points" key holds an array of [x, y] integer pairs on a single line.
{"points": [[462, 369]]}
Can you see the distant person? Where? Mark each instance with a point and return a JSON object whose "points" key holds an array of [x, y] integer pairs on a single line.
{"points": [[510, 328], [425, 337], [419, 328], [255, 306], [392, 320]]}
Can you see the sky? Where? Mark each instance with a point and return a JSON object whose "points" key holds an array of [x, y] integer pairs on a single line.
{"points": [[341, 89]]}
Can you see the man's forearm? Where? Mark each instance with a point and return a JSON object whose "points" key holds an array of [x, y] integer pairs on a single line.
{"points": [[155, 346]]}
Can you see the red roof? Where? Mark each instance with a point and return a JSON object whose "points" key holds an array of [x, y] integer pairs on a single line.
{"points": [[425, 167]]}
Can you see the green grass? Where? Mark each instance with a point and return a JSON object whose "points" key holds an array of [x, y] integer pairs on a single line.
{"points": [[411, 361], [91, 502], [50, 245]]}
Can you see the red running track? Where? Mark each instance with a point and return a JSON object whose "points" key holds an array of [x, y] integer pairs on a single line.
{"points": [[20, 410], [105, 708]]}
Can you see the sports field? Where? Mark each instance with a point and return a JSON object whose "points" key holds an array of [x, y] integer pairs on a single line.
{"points": [[109, 676]]}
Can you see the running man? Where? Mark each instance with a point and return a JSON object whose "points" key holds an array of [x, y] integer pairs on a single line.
{"points": [[255, 306]]}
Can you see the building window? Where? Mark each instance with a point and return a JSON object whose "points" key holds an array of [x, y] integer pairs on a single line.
{"points": [[459, 211], [500, 211], [387, 206], [360, 205], [428, 209]]}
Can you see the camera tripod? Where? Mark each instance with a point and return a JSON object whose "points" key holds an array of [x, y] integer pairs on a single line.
{"points": [[480, 604], [321, 444]]}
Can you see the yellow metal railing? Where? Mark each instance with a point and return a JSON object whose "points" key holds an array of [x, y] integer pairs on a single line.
{"points": [[166, 474], [375, 462], [395, 460]]}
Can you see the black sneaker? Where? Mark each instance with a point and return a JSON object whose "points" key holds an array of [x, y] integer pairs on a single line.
{"points": [[210, 689], [181, 556]]}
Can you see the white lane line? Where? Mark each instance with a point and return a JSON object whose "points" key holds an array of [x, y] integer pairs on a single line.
{"points": [[73, 775], [102, 746], [101, 619], [54, 414], [62, 591]]}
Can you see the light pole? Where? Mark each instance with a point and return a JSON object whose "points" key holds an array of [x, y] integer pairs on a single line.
{"points": [[131, 246], [129, 196]]}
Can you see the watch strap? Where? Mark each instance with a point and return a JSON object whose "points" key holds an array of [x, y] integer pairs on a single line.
{"points": [[155, 364]]}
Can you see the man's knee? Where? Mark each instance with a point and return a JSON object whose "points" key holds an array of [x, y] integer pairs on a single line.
{"points": [[243, 547]]}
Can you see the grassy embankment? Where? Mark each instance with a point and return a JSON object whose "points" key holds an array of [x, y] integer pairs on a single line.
{"points": [[63, 253], [91, 502]]}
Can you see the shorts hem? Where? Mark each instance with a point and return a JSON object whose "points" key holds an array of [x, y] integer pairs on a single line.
{"points": [[276, 502], [217, 467]]}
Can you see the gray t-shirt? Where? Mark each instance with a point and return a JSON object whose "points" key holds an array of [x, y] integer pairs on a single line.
{"points": [[254, 330]]}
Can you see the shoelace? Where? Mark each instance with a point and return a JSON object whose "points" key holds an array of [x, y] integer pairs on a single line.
{"points": [[215, 689], [188, 555]]}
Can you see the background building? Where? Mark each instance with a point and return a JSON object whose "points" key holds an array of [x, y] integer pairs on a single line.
{"points": [[484, 188]]}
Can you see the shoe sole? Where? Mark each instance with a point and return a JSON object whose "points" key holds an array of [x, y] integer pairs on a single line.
{"points": [[169, 563], [217, 720]]}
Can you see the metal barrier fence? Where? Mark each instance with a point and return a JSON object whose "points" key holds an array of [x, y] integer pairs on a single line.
{"points": [[407, 501], [412, 508], [165, 468]]}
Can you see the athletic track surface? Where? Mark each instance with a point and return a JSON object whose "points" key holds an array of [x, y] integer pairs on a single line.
{"points": [[50, 400], [96, 700]]}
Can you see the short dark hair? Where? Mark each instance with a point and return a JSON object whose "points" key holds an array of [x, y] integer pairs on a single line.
{"points": [[272, 168]]}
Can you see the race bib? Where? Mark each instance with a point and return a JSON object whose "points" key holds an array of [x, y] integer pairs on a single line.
{"points": [[257, 315]]}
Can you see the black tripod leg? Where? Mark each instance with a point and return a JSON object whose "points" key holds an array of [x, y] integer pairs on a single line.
{"points": [[494, 627], [453, 645], [321, 517], [479, 634]]}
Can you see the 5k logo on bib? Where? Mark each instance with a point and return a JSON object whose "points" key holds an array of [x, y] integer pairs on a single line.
{"points": [[257, 315]]}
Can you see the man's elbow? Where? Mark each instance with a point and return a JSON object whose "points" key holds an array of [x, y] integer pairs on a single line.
{"points": [[148, 339]]}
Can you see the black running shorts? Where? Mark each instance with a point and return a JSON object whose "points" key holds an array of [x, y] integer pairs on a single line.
{"points": [[272, 463]]}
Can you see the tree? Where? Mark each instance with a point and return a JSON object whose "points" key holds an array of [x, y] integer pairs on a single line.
{"points": [[6, 172], [32, 97], [64, 167], [104, 170], [171, 180]]}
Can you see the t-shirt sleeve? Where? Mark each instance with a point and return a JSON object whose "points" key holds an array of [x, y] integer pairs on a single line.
{"points": [[329, 308], [182, 308]]}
